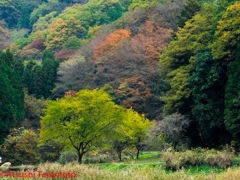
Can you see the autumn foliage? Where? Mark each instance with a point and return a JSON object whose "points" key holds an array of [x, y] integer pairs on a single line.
{"points": [[133, 92], [21, 147], [110, 42], [39, 44], [152, 40], [70, 93], [65, 54]]}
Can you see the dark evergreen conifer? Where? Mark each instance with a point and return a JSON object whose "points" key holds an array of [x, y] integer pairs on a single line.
{"points": [[28, 76], [11, 95], [38, 80], [47, 54], [19, 67], [207, 82], [49, 76], [232, 97]]}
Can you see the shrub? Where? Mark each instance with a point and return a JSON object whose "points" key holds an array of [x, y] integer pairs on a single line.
{"points": [[20, 147], [67, 157], [89, 160], [51, 151], [220, 160], [177, 160]]}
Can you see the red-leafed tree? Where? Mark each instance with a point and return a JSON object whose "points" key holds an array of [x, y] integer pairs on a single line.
{"points": [[65, 54], [151, 40], [133, 92], [39, 44], [110, 42]]}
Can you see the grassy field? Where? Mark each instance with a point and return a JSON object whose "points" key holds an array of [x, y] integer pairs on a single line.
{"points": [[149, 166]]}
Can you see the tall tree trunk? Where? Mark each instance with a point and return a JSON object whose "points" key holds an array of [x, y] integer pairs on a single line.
{"points": [[80, 155]]}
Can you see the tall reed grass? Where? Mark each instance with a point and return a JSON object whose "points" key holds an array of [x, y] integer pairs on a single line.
{"points": [[84, 172]]}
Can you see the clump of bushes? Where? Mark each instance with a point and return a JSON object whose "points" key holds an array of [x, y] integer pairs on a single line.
{"points": [[67, 157], [89, 160], [196, 157], [20, 147]]}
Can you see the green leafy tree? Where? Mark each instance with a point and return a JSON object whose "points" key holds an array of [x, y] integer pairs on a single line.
{"points": [[61, 31], [220, 9], [178, 64], [137, 129], [139, 4], [41, 11], [73, 43], [207, 82], [10, 11], [26, 9], [189, 10], [80, 120], [44, 22], [227, 33], [178, 61], [232, 100]]}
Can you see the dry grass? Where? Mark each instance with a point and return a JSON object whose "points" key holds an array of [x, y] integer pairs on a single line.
{"points": [[177, 160], [84, 172]]}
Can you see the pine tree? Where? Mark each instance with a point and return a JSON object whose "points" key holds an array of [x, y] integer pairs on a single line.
{"points": [[47, 54], [19, 67], [38, 80], [6, 110], [28, 76], [11, 98], [49, 76]]}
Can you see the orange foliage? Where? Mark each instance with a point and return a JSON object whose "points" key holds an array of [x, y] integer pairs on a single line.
{"points": [[110, 42], [70, 93], [133, 92], [152, 40]]}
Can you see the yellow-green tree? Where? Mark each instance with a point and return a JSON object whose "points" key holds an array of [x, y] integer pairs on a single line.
{"points": [[228, 33], [61, 31], [82, 120], [136, 126], [139, 4], [178, 60]]}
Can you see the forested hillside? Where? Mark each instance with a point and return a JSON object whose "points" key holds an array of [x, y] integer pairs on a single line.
{"points": [[146, 73]]}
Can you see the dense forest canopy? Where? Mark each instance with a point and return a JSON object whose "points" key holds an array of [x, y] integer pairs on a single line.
{"points": [[153, 60]]}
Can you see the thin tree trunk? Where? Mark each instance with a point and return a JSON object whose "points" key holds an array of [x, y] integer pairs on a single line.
{"points": [[138, 153], [120, 155]]}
